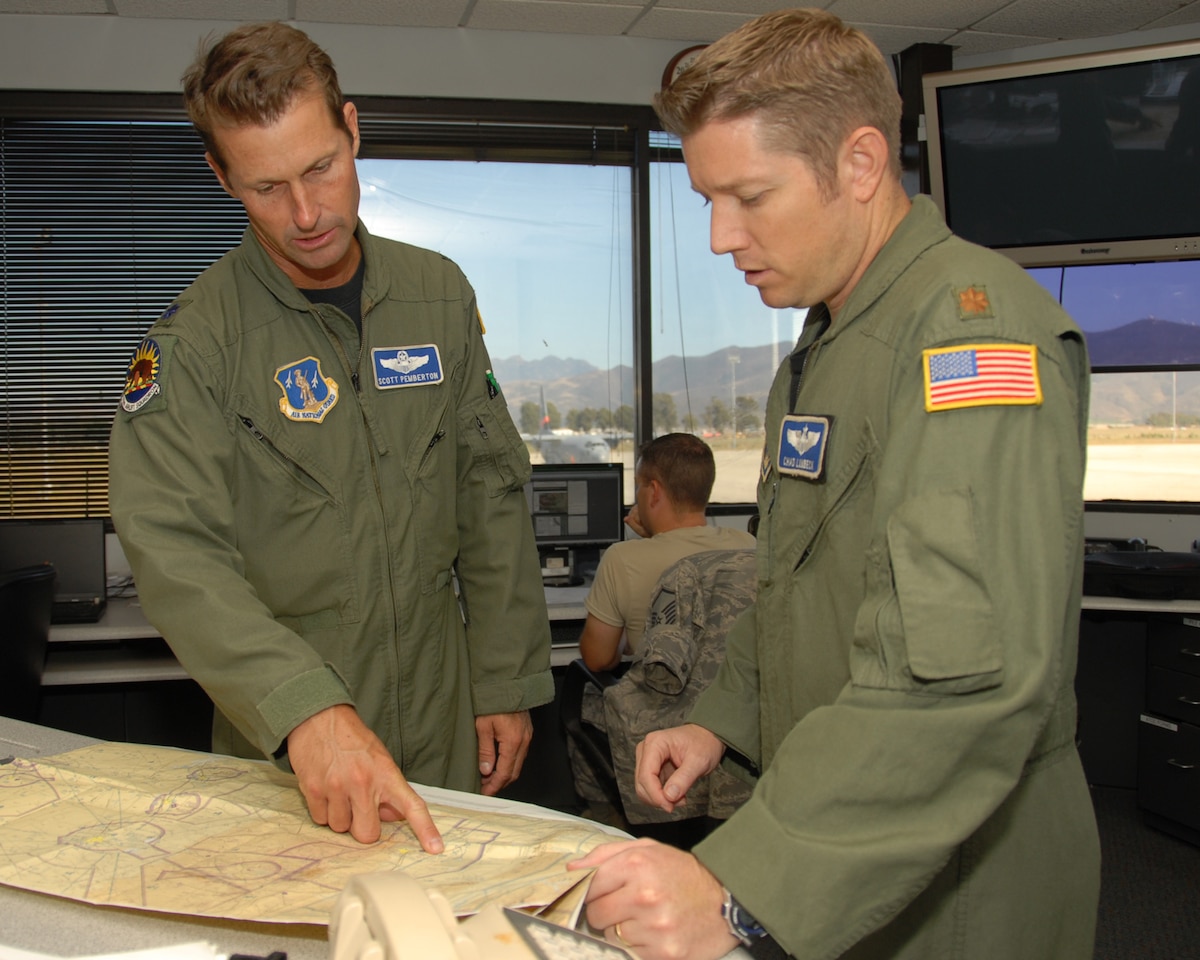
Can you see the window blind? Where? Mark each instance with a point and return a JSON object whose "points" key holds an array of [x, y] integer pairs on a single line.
{"points": [[102, 223]]}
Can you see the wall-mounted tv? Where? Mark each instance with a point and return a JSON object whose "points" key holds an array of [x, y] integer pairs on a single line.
{"points": [[1085, 159]]}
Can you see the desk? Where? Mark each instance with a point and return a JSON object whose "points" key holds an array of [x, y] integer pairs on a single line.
{"points": [[35, 921], [62, 927], [122, 647]]}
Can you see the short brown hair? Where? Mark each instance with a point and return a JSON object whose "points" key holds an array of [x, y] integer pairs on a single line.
{"points": [[808, 78], [683, 464], [251, 76]]}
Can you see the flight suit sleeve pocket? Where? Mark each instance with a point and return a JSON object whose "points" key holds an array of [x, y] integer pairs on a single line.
{"points": [[949, 626], [498, 452]]}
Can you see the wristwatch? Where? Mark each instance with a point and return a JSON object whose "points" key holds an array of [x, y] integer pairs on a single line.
{"points": [[741, 924]]}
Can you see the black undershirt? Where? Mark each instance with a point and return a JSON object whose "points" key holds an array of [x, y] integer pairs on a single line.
{"points": [[347, 297]]}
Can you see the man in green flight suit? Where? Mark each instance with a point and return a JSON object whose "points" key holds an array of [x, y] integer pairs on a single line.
{"points": [[311, 453], [902, 689]]}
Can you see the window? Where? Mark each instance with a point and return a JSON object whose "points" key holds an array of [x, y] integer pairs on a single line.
{"points": [[547, 249], [1142, 323], [107, 211], [716, 346]]}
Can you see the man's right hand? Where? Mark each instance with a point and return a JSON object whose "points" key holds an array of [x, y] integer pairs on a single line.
{"points": [[670, 761], [350, 781]]}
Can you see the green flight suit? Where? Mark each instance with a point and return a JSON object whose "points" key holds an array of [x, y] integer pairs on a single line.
{"points": [[294, 502], [905, 679]]}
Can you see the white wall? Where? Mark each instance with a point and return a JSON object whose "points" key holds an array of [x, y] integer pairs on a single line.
{"points": [[136, 55]]}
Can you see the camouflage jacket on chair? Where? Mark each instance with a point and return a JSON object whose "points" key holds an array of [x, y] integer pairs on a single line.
{"points": [[694, 604]]}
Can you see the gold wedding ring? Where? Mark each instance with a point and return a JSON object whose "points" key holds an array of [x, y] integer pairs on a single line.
{"points": [[620, 939]]}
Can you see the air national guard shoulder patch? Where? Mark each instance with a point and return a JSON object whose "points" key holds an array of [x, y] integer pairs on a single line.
{"points": [[802, 443], [141, 377], [308, 395], [981, 374], [415, 366]]}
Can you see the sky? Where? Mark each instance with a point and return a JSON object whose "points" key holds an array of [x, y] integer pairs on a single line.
{"points": [[547, 249]]}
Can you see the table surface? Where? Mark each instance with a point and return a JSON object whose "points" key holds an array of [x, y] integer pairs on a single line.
{"points": [[70, 928]]}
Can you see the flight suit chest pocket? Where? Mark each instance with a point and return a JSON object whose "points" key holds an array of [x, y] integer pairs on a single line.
{"points": [[289, 511]]}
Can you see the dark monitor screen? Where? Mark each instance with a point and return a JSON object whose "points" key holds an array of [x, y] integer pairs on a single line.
{"points": [[1085, 159], [577, 504]]}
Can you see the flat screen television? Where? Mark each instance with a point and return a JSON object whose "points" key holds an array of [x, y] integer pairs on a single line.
{"points": [[577, 504], [1092, 158]]}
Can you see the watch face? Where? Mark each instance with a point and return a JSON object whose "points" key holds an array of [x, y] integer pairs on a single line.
{"points": [[745, 924], [680, 62]]}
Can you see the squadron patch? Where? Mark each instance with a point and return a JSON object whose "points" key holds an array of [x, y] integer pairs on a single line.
{"points": [[981, 374], [414, 366], [308, 395], [141, 377], [802, 443]]}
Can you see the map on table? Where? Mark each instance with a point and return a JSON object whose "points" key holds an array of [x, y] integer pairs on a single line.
{"points": [[156, 828]]}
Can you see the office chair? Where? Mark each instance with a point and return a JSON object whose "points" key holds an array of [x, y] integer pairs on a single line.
{"points": [[26, 595], [692, 608]]}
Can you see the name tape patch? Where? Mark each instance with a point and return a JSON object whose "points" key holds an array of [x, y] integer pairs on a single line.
{"points": [[414, 366], [802, 443]]}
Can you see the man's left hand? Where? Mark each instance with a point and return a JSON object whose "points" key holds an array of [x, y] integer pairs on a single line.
{"points": [[503, 742], [657, 900]]}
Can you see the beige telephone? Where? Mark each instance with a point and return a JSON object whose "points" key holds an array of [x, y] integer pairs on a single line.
{"points": [[390, 916]]}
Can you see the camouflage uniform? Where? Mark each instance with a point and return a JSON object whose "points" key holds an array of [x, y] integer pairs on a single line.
{"points": [[693, 605]]}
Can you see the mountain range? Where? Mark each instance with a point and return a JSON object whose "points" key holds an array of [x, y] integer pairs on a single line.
{"points": [[575, 384]]}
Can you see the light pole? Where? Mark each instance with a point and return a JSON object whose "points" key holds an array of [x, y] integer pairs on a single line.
{"points": [[734, 360]]}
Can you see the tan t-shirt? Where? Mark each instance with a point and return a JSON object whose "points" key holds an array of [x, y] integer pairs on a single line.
{"points": [[628, 571]]}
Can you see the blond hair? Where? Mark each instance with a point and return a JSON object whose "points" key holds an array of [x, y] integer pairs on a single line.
{"points": [[807, 77], [252, 75]]}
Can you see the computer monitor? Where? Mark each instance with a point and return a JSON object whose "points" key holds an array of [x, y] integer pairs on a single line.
{"points": [[76, 548], [577, 509]]}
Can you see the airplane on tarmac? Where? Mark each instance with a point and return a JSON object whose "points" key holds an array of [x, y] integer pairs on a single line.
{"points": [[567, 446]]}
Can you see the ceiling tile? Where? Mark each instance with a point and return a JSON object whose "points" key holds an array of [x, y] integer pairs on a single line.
{"points": [[1069, 19], [697, 26], [1190, 13], [971, 42], [892, 39], [553, 16], [972, 26], [956, 14], [249, 10], [751, 7], [410, 13], [53, 6]]}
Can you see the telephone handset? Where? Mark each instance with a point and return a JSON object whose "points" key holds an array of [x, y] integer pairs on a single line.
{"points": [[390, 916]]}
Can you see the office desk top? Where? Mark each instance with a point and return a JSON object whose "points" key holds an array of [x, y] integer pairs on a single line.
{"points": [[66, 928], [62, 927], [122, 647]]}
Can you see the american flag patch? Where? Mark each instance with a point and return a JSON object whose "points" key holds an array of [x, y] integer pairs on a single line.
{"points": [[981, 374]]}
